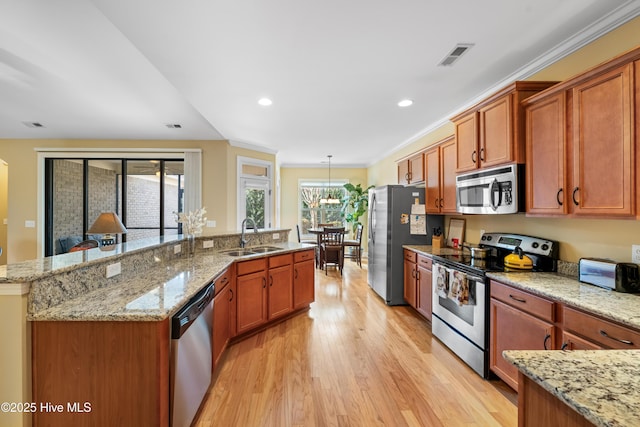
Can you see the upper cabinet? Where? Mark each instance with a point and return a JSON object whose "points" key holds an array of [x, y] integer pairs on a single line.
{"points": [[581, 145], [492, 132], [440, 177], [410, 170]]}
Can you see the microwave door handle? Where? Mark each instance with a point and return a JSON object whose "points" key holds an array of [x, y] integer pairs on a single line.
{"points": [[495, 186]]}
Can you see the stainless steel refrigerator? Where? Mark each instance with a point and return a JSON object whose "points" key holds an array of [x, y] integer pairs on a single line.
{"points": [[388, 232]]}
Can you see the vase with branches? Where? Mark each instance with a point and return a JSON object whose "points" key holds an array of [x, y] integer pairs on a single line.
{"points": [[355, 204]]}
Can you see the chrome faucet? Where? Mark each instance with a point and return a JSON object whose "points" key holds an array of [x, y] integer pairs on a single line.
{"points": [[244, 223]]}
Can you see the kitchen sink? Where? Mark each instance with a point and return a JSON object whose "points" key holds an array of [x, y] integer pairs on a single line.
{"points": [[239, 252], [263, 249]]}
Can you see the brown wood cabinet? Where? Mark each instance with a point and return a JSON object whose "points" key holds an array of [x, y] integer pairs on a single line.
{"points": [[602, 145], [410, 277], [598, 332], [280, 290], [251, 295], [519, 321], [581, 143], [417, 282], [440, 177], [121, 369], [303, 279], [222, 315], [424, 295], [492, 132], [410, 170], [538, 407], [546, 145]]}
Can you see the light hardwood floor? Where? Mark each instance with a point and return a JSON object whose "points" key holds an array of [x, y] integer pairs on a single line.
{"points": [[351, 361]]}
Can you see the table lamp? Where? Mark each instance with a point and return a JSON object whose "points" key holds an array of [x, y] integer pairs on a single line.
{"points": [[107, 224]]}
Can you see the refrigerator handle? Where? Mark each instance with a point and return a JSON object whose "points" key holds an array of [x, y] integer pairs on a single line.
{"points": [[372, 218]]}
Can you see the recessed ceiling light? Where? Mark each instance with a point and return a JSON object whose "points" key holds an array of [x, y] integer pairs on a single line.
{"points": [[265, 102], [405, 103]]}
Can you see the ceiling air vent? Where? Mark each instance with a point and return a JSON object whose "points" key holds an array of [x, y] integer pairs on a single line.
{"points": [[455, 54], [33, 124], [174, 126]]}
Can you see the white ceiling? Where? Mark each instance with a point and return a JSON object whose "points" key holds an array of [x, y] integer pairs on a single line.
{"points": [[335, 69]]}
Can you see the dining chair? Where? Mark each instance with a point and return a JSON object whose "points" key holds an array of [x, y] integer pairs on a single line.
{"points": [[355, 246], [331, 248], [313, 242]]}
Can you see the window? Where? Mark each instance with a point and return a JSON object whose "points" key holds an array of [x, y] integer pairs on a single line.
{"points": [[254, 192], [312, 212], [143, 192]]}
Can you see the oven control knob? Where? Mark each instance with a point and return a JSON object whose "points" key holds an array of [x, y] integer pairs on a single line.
{"points": [[489, 238], [535, 245], [545, 247], [484, 237]]}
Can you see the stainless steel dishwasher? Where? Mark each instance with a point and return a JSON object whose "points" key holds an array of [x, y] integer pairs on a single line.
{"points": [[191, 356]]}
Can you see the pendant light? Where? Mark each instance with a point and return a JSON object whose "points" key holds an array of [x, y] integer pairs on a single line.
{"points": [[329, 199]]}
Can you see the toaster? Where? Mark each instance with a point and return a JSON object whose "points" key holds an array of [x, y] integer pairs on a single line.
{"points": [[617, 276]]}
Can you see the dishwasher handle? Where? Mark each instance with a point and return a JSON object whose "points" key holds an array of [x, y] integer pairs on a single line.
{"points": [[181, 321]]}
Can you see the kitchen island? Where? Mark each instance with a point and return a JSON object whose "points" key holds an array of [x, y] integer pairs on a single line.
{"points": [[65, 309], [585, 387]]}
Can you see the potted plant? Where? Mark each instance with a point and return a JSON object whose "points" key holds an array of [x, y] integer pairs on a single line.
{"points": [[354, 204]]}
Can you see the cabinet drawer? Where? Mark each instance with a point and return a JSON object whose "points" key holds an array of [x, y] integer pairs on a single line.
{"points": [[424, 262], [303, 256], [280, 260], [539, 307], [221, 281], [610, 335], [410, 255], [252, 266]]}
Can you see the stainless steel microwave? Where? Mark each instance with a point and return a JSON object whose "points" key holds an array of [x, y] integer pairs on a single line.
{"points": [[491, 191]]}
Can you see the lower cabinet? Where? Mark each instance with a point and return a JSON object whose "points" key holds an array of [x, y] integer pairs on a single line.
{"points": [[251, 298], [223, 313], [424, 295], [410, 277], [417, 282], [303, 279], [280, 290], [101, 373], [519, 321], [596, 332]]}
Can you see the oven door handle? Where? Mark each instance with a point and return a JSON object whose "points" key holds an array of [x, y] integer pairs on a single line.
{"points": [[475, 279], [495, 186]]}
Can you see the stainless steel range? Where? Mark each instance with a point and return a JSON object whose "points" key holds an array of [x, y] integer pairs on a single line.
{"points": [[461, 291]]}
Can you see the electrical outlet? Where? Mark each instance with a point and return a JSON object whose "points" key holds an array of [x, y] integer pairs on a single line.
{"points": [[275, 236], [113, 269], [207, 244], [30, 224], [635, 254], [177, 249], [211, 224]]}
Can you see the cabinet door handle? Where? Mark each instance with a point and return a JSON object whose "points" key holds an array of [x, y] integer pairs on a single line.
{"points": [[441, 202], [413, 273], [482, 154], [264, 282], [473, 156], [558, 196], [270, 280], [295, 273], [522, 300], [564, 345], [546, 338], [573, 196], [231, 292], [604, 334], [417, 274], [436, 202]]}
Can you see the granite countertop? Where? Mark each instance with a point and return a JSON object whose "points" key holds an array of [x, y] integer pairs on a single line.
{"points": [[620, 307], [601, 385], [157, 294]]}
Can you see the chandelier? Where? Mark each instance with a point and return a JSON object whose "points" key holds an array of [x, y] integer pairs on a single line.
{"points": [[329, 199]]}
